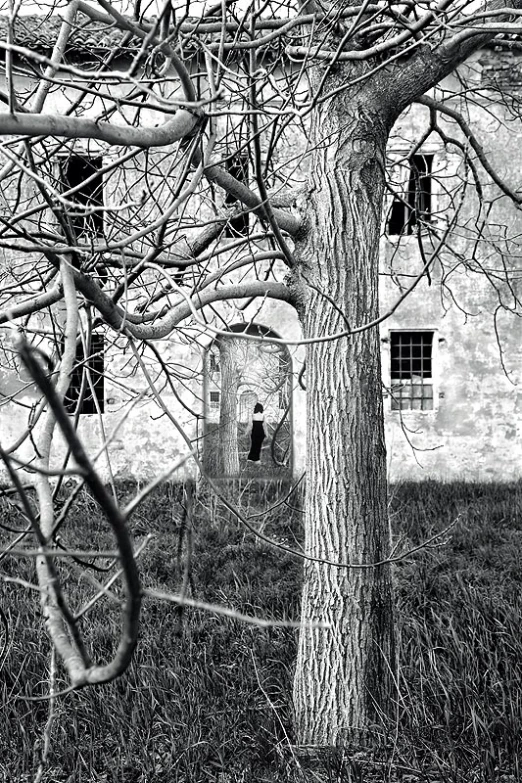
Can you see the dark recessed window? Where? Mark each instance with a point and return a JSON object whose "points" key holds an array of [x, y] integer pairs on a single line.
{"points": [[83, 172], [414, 206], [86, 392], [237, 166], [411, 370], [213, 362]]}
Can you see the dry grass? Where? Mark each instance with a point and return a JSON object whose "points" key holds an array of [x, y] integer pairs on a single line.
{"points": [[208, 699]]}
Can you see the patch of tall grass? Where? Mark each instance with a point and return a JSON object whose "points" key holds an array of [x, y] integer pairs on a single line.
{"points": [[209, 698], [460, 609]]}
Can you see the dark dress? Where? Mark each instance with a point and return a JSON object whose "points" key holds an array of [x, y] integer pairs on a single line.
{"points": [[257, 437]]}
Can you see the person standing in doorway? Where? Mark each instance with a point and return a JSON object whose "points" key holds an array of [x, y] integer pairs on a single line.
{"points": [[258, 434]]}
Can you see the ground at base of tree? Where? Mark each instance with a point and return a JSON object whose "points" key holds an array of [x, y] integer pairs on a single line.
{"points": [[207, 699]]}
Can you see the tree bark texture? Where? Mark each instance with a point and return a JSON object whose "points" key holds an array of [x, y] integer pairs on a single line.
{"points": [[345, 674], [228, 413]]}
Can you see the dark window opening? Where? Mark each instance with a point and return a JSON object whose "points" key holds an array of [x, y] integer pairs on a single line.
{"points": [[76, 171], [213, 362], [411, 359], [79, 397], [415, 205], [237, 166], [214, 399]]}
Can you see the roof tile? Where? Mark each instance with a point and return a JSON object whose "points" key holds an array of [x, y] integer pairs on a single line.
{"points": [[40, 34]]}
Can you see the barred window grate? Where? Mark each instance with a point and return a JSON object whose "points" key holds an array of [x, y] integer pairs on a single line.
{"points": [[411, 370], [214, 398]]}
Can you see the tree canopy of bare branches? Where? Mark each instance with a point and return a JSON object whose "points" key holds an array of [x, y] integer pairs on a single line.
{"points": [[168, 172]]}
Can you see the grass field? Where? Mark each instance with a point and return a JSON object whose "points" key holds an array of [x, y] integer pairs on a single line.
{"points": [[207, 699]]}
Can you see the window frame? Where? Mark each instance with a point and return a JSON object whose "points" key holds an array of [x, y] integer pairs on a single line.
{"points": [[97, 229], [214, 404], [406, 199], [213, 362], [435, 371]]}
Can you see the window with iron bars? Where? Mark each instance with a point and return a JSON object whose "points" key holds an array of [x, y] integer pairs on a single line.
{"points": [[411, 370], [214, 398]]}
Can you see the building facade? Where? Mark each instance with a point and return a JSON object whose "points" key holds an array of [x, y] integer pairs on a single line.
{"points": [[451, 285]]}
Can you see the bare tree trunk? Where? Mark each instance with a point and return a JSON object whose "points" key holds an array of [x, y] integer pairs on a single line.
{"points": [[228, 414], [344, 676]]}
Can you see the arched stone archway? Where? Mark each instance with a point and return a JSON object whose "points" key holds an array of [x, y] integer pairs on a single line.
{"points": [[239, 373]]}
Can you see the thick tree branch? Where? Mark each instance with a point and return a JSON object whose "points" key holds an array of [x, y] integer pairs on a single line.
{"points": [[179, 127], [59, 619], [32, 305], [162, 328], [115, 317], [103, 673], [257, 288], [426, 67], [231, 185]]}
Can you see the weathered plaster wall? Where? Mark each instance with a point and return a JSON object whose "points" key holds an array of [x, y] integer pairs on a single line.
{"points": [[474, 431], [143, 440]]}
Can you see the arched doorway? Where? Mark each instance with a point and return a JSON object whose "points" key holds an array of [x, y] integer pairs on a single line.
{"points": [[239, 373]]}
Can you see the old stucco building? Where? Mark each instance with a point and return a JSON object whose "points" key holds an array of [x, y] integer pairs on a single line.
{"points": [[451, 348]]}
